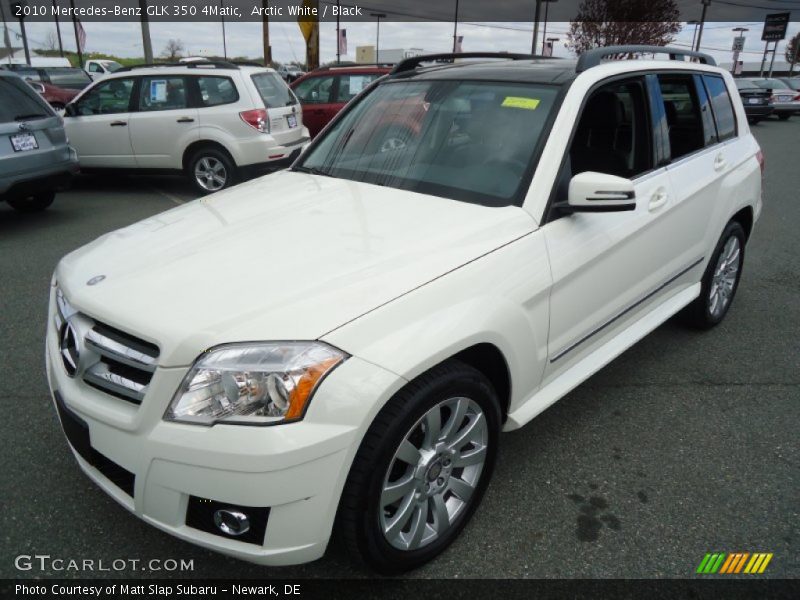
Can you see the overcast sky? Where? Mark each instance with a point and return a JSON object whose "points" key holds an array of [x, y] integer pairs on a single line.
{"points": [[244, 39]]}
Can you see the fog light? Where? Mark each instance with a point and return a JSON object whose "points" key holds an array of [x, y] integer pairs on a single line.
{"points": [[231, 522]]}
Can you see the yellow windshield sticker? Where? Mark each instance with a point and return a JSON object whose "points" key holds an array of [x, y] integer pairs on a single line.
{"points": [[518, 102]]}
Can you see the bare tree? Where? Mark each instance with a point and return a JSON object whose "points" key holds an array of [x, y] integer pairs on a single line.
{"points": [[173, 50], [51, 43], [793, 50], [619, 22]]}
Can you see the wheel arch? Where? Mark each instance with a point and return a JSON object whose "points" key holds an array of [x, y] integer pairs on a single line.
{"points": [[192, 148], [745, 218]]}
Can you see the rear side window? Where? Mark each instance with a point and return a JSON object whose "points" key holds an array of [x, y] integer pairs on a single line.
{"points": [[273, 90], [315, 90], [19, 102], [162, 93], [68, 78], [351, 85], [684, 119], [723, 108], [215, 91]]}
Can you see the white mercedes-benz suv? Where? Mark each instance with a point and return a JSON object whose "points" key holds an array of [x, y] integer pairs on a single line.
{"points": [[337, 347]]}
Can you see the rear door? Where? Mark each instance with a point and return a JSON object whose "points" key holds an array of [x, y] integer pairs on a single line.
{"points": [[98, 129], [699, 157], [163, 123], [317, 94], [283, 108]]}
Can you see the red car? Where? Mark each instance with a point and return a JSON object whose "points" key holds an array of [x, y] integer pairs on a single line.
{"points": [[57, 97], [324, 91]]}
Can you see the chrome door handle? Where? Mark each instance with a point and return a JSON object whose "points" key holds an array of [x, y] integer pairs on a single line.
{"points": [[118, 124], [719, 162]]}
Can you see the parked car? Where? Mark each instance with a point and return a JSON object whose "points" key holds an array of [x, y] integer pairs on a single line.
{"points": [[290, 73], [68, 78], [785, 100], [342, 343], [97, 68], [35, 157], [56, 96], [212, 121], [324, 92], [792, 82], [756, 100]]}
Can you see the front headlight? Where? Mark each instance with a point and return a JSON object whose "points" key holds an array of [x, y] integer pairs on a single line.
{"points": [[255, 384]]}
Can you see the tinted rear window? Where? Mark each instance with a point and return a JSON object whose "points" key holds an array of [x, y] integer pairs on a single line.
{"points": [[215, 91], [273, 90], [17, 100], [68, 78], [721, 104]]}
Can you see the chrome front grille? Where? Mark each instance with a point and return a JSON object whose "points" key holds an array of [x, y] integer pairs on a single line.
{"points": [[105, 358]]}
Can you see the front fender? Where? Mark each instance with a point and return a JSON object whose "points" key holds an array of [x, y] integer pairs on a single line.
{"points": [[501, 298]]}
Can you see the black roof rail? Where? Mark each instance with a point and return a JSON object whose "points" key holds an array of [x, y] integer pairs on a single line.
{"points": [[592, 58], [217, 64], [409, 64]]}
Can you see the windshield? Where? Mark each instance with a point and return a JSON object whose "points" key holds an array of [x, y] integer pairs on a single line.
{"points": [[112, 65], [464, 140], [273, 90]]}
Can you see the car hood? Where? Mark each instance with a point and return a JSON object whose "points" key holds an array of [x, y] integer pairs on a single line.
{"points": [[289, 256]]}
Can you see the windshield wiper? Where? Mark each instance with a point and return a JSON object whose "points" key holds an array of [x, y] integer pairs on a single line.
{"points": [[312, 171], [30, 116]]}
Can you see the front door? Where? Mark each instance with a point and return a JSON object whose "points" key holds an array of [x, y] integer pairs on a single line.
{"points": [[316, 94]]}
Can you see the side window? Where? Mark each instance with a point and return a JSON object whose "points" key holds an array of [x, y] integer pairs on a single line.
{"points": [[316, 90], [613, 134], [108, 97], [215, 91], [162, 93], [684, 117], [352, 85], [95, 68], [723, 108]]}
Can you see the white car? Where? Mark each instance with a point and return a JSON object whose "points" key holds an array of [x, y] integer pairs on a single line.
{"points": [[215, 122], [99, 68], [343, 342]]}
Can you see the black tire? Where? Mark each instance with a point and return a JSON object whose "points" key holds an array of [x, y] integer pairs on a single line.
{"points": [[214, 156], [699, 313], [360, 510], [33, 203], [784, 116]]}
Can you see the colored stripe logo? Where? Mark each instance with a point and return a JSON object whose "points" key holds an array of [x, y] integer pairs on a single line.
{"points": [[734, 562]]}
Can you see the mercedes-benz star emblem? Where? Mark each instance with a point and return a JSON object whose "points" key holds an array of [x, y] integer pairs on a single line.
{"points": [[69, 349], [95, 280]]}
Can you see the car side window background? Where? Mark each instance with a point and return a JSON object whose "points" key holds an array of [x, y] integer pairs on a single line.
{"points": [[352, 85], [721, 103], [162, 93], [109, 97], [316, 90], [684, 114]]}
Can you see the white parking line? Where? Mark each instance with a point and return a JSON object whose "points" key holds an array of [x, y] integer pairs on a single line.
{"points": [[171, 197]]}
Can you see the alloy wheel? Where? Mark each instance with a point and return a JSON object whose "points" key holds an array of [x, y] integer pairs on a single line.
{"points": [[210, 173], [724, 279], [433, 473]]}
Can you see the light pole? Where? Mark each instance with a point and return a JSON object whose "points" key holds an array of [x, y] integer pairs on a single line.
{"points": [[378, 17], [738, 46], [706, 3], [544, 30], [455, 29], [536, 14], [694, 22], [224, 41]]}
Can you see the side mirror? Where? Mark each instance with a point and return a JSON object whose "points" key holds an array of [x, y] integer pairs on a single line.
{"points": [[599, 192], [70, 110]]}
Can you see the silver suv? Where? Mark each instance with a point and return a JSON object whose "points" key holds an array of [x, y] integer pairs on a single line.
{"points": [[35, 156]]}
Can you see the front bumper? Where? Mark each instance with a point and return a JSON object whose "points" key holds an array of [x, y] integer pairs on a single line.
{"points": [[295, 471]]}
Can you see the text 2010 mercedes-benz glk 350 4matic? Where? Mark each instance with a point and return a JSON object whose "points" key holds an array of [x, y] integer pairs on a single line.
{"points": [[338, 346]]}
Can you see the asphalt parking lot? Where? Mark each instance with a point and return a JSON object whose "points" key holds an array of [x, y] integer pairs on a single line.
{"points": [[686, 444]]}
